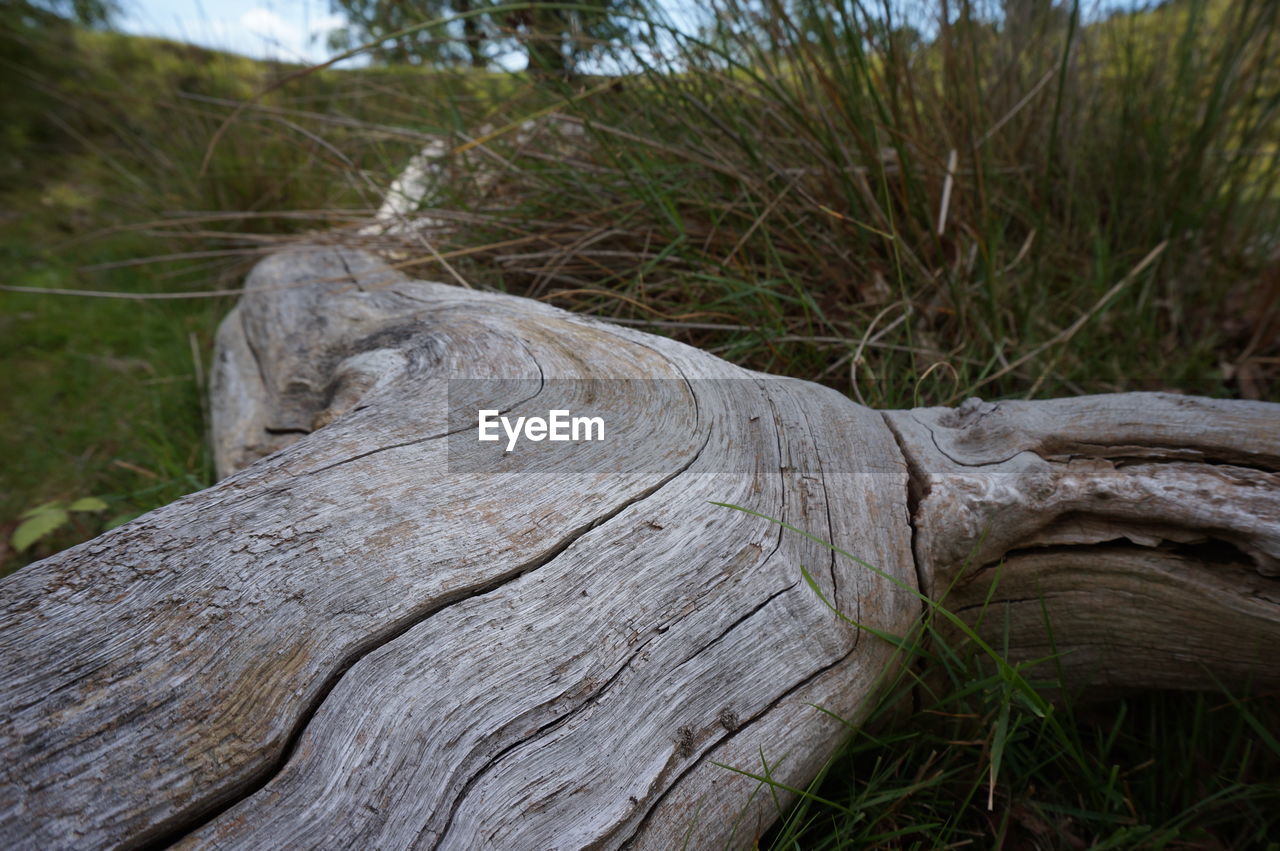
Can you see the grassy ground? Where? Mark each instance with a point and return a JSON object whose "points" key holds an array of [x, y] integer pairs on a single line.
{"points": [[987, 761], [108, 183], [962, 748], [101, 398], [1055, 205]]}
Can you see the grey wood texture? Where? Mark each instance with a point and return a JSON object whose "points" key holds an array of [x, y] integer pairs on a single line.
{"points": [[1135, 536], [368, 635], [473, 659]]}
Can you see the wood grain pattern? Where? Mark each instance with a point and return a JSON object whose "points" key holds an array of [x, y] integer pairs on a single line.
{"points": [[481, 622], [1144, 528], [369, 635]]}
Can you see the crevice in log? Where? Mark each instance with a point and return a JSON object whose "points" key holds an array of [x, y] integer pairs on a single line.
{"points": [[1155, 453], [253, 349], [588, 701], [1213, 554], [737, 623], [720, 741], [831, 554], [1215, 551], [342, 258], [545, 728], [1203, 545], [992, 603], [165, 834], [1121, 454], [917, 490]]}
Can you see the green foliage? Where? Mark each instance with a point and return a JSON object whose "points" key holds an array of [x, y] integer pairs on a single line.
{"points": [[37, 523], [1053, 207], [29, 14], [556, 36], [1149, 771], [98, 396], [45, 519], [124, 193], [392, 25], [961, 747], [38, 45]]}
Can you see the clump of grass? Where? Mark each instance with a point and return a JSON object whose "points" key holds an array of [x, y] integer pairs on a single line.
{"points": [[962, 747], [977, 763], [109, 159], [1044, 204]]}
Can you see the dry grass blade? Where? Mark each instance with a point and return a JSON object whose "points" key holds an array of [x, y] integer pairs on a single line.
{"points": [[1066, 334]]}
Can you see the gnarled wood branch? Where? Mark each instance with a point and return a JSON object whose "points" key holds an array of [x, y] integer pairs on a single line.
{"points": [[371, 633], [1134, 536]]}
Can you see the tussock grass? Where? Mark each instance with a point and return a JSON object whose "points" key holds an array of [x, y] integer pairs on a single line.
{"points": [[959, 753], [1046, 205], [960, 748]]}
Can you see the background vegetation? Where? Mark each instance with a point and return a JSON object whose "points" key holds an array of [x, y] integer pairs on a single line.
{"points": [[911, 204]]}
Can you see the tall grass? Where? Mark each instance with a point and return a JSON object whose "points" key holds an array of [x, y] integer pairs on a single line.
{"points": [[955, 753], [961, 747], [1045, 203], [109, 184]]}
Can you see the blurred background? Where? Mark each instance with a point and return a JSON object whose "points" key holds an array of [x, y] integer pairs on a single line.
{"points": [[910, 202]]}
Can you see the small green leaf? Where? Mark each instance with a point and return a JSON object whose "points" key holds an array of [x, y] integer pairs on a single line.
{"points": [[48, 507], [37, 527], [89, 503]]}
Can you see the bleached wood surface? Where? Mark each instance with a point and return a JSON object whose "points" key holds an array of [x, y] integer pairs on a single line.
{"points": [[478, 660], [1143, 527], [364, 639]]}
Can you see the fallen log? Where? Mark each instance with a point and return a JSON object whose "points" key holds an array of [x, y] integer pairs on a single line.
{"points": [[379, 631]]}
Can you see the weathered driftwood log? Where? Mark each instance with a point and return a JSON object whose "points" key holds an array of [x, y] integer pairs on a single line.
{"points": [[377, 631]]}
